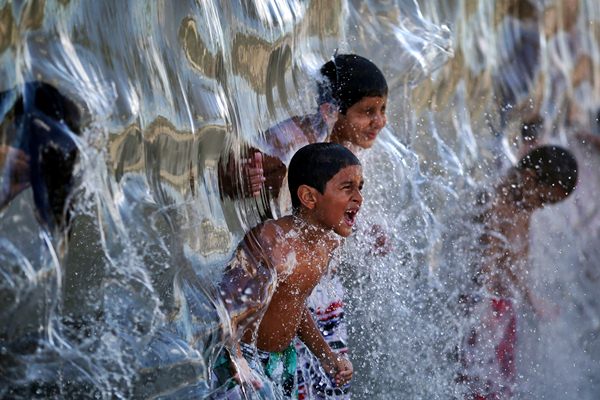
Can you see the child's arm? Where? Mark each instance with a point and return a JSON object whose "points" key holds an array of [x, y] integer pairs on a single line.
{"points": [[540, 307], [498, 260], [244, 289], [252, 176], [257, 171], [248, 282], [335, 365], [265, 168]]}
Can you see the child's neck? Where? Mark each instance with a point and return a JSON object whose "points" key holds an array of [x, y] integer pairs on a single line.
{"points": [[311, 232], [355, 149], [513, 194]]}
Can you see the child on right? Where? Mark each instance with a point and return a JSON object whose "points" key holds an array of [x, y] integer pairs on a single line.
{"points": [[276, 268], [544, 176]]}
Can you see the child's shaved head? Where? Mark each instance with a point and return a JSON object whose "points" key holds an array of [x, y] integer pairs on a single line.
{"points": [[315, 164]]}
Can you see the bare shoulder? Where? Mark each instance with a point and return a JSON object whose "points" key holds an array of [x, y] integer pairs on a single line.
{"points": [[290, 133], [290, 127], [277, 241], [270, 233]]}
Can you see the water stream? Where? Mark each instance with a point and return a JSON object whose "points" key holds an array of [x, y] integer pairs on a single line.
{"points": [[109, 257]]}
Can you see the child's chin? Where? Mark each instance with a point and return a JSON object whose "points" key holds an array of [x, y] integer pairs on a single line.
{"points": [[368, 144], [344, 231]]}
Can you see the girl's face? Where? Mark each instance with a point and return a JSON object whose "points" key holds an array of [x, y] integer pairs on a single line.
{"points": [[362, 122]]}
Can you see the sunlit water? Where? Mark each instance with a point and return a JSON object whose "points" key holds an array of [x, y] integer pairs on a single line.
{"points": [[123, 303]]}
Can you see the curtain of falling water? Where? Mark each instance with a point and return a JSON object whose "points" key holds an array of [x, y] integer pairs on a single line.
{"points": [[115, 298]]}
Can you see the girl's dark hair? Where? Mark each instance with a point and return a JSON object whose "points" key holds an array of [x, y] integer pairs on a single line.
{"points": [[315, 164], [349, 78], [552, 165]]}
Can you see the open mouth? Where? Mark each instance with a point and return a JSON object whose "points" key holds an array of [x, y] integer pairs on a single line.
{"points": [[372, 135], [350, 216]]}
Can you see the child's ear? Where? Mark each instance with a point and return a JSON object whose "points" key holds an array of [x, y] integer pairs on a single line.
{"points": [[307, 196], [329, 113], [529, 178]]}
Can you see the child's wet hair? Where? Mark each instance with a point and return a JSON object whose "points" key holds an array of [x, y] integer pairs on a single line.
{"points": [[531, 130], [552, 165], [315, 164], [349, 78]]}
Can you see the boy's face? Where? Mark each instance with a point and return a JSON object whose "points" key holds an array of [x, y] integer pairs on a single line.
{"points": [[338, 206], [537, 195], [547, 195], [362, 122]]}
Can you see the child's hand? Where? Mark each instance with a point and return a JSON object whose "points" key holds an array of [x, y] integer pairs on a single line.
{"points": [[344, 371], [340, 368], [252, 176], [254, 173]]}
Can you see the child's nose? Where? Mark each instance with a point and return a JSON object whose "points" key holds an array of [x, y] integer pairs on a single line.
{"points": [[379, 120], [358, 197]]}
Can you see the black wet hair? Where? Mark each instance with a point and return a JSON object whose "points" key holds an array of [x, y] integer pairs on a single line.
{"points": [[44, 123], [348, 78], [315, 164], [532, 130], [552, 165]]}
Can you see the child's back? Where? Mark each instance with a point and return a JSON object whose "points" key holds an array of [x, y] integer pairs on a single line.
{"points": [[300, 264]]}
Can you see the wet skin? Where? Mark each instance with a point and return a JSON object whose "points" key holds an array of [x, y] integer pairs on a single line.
{"points": [[361, 123], [507, 235], [311, 243]]}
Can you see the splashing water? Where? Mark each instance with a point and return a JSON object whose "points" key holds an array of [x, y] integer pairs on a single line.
{"points": [[115, 117]]}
